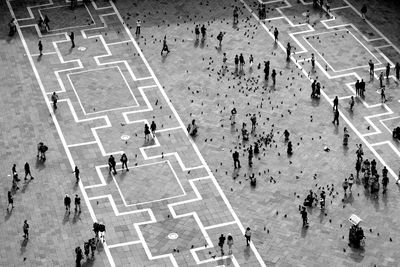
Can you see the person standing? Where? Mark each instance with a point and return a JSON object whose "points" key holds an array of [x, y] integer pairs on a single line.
{"points": [[236, 60], [220, 36], [93, 245], [381, 79], [233, 116], [46, 22], [77, 203], [247, 235], [253, 120], [72, 38], [387, 71], [13, 27], [397, 69], [312, 61], [304, 216], [221, 242], [276, 33], [250, 156], [363, 11], [111, 164], [236, 161], [138, 25], [77, 172], [288, 50], [383, 96], [67, 203], [224, 60], [266, 69], [197, 32], [241, 62], [345, 136], [54, 99], [25, 228], [273, 76], [235, 15], [40, 46], [251, 60], [124, 161], [229, 242], [345, 185], [351, 103], [27, 171], [10, 201]]}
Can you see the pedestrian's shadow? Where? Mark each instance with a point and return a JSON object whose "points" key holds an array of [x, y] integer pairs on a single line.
{"points": [[163, 58], [275, 45], [196, 43], [75, 187], [24, 243], [66, 217], [202, 43], [88, 263], [246, 252], [8, 215], [39, 58], [77, 217], [25, 186], [39, 165], [385, 199], [303, 233]]}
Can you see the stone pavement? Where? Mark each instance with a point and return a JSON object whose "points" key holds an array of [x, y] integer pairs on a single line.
{"points": [[173, 204]]}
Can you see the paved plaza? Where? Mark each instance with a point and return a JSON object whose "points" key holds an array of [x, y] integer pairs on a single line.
{"points": [[181, 191]]}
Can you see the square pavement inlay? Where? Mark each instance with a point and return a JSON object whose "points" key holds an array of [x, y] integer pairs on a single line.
{"points": [[101, 90], [62, 17], [188, 235], [341, 50], [149, 183]]}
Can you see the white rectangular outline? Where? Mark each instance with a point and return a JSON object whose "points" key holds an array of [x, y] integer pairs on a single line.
{"points": [[152, 201], [327, 63], [107, 110], [60, 29]]}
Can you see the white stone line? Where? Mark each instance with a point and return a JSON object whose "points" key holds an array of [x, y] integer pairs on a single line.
{"points": [[99, 8], [340, 7], [57, 126], [44, 54], [378, 49], [384, 125], [146, 100], [219, 225], [121, 42], [124, 244], [83, 144], [31, 16]]}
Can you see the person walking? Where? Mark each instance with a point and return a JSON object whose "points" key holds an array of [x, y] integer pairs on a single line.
{"points": [[253, 120], [221, 242], [236, 60], [124, 161], [345, 136], [10, 201], [247, 235], [251, 60], [86, 247], [54, 99], [229, 242], [387, 71], [153, 128], [25, 228], [77, 174], [224, 60], [288, 51], [276, 33], [266, 69], [335, 103], [345, 185], [46, 22], [351, 103], [381, 78], [235, 15], [138, 25], [383, 96], [165, 46], [371, 68], [40, 46], [397, 70], [27, 171], [112, 164], [304, 216], [312, 61], [79, 256], [336, 117], [363, 11], [93, 246], [351, 182], [146, 132], [67, 203], [236, 161], [77, 203], [72, 38]]}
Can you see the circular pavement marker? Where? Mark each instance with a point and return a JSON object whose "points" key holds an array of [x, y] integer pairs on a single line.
{"points": [[173, 236], [81, 48], [125, 137]]}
